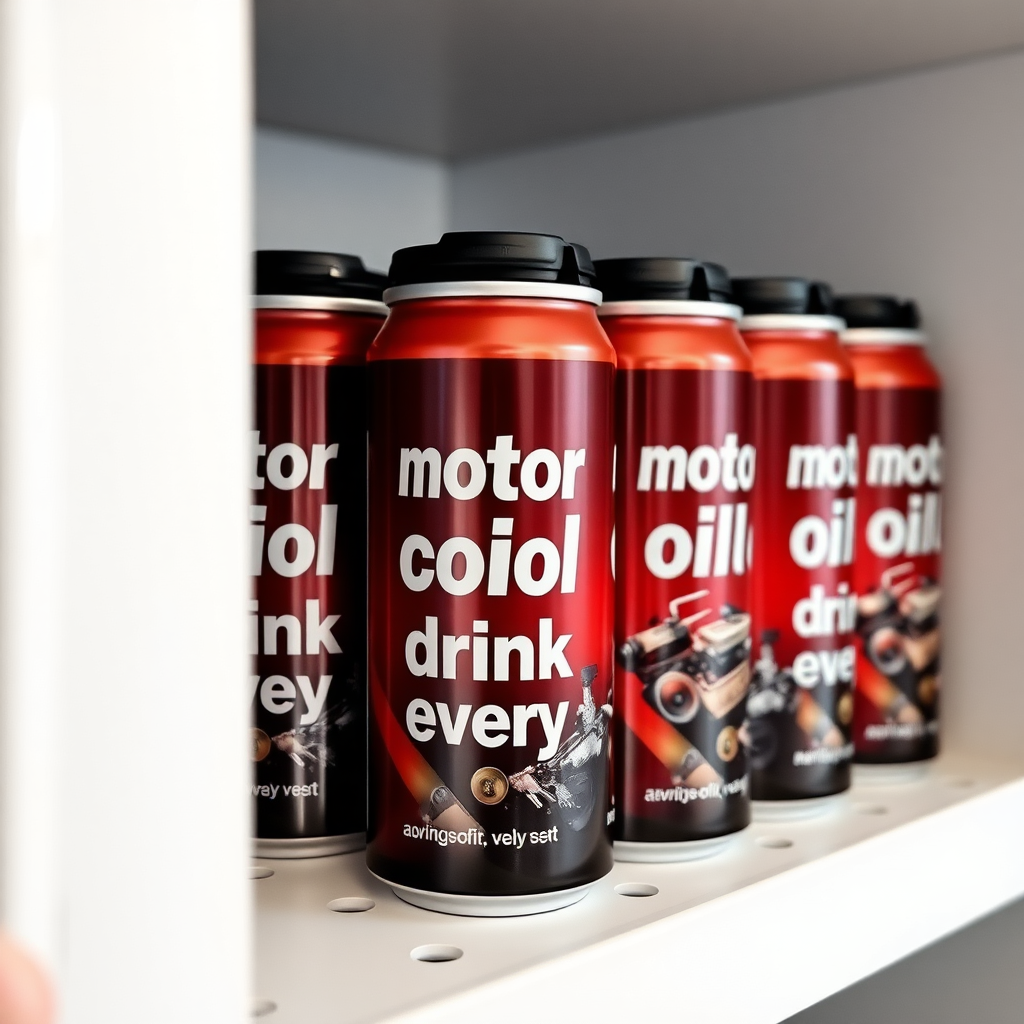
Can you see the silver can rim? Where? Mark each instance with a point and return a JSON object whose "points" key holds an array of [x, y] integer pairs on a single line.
{"points": [[320, 303], [671, 853], [308, 846], [461, 905], [492, 290]]}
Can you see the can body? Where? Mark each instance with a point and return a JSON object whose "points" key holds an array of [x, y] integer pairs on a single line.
{"points": [[490, 602], [800, 708], [308, 614], [685, 467], [899, 543]]}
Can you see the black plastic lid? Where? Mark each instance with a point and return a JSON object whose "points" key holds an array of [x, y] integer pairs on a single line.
{"points": [[793, 295], [286, 272], [662, 277], [493, 256], [878, 311]]}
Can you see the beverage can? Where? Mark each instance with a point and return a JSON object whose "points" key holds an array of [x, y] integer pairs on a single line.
{"points": [[899, 538], [685, 470], [316, 314], [490, 579], [800, 709]]}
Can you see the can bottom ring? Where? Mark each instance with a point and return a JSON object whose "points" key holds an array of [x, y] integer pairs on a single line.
{"points": [[667, 853], [890, 774], [488, 906], [315, 846], [795, 810]]}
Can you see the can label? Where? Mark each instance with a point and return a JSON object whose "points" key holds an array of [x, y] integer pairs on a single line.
{"points": [[800, 708], [307, 620], [683, 542], [898, 575], [490, 626]]}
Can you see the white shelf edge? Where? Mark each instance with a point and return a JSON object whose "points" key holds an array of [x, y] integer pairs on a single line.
{"points": [[750, 937]]}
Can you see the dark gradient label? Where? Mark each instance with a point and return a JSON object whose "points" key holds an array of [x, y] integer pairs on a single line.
{"points": [[684, 481], [899, 545], [307, 619], [804, 607], [490, 624]]}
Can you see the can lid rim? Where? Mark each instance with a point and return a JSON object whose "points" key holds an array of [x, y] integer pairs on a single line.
{"points": [[332, 303], [671, 307], [792, 322], [491, 289], [882, 336]]}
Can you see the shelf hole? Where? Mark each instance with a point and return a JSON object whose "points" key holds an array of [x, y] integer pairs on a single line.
{"points": [[874, 809], [259, 871], [960, 783], [435, 953], [351, 905], [774, 842], [263, 1008], [636, 889]]}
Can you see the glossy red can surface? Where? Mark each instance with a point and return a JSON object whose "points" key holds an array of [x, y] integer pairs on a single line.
{"points": [[685, 470], [490, 596], [899, 550], [804, 605], [308, 614]]}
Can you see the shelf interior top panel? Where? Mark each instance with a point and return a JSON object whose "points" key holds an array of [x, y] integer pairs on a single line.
{"points": [[460, 78]]}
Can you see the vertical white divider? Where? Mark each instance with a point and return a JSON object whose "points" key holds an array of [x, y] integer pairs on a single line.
{"points": [[33, 521], [124, 401]]}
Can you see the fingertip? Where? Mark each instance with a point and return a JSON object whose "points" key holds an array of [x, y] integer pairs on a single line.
{"points": [[26, 996]]}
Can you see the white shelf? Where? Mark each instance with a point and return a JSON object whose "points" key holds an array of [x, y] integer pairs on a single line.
{"points": [[752, 935]]}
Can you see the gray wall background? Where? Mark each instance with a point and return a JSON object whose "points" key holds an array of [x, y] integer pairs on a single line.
{"points": [[326, 195]]}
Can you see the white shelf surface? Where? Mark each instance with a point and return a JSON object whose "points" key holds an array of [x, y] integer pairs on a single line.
{"points": [[749, 936]]}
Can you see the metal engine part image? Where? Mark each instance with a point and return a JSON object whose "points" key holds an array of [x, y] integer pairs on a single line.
{"points": [[899, 627], [563, 780], [676, 696], [489, 785], [684, 665]]}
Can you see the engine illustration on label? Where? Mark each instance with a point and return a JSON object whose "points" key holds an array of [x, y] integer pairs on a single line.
{"points": [[308, 615], [898, 572], [683, 543], [800, 707], [490, 635], [565, 778]]}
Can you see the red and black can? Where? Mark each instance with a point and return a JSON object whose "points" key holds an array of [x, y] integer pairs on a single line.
{"points": [[685, 468], [490, 580], [316, 314], [899, 538], [800, 708]]}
